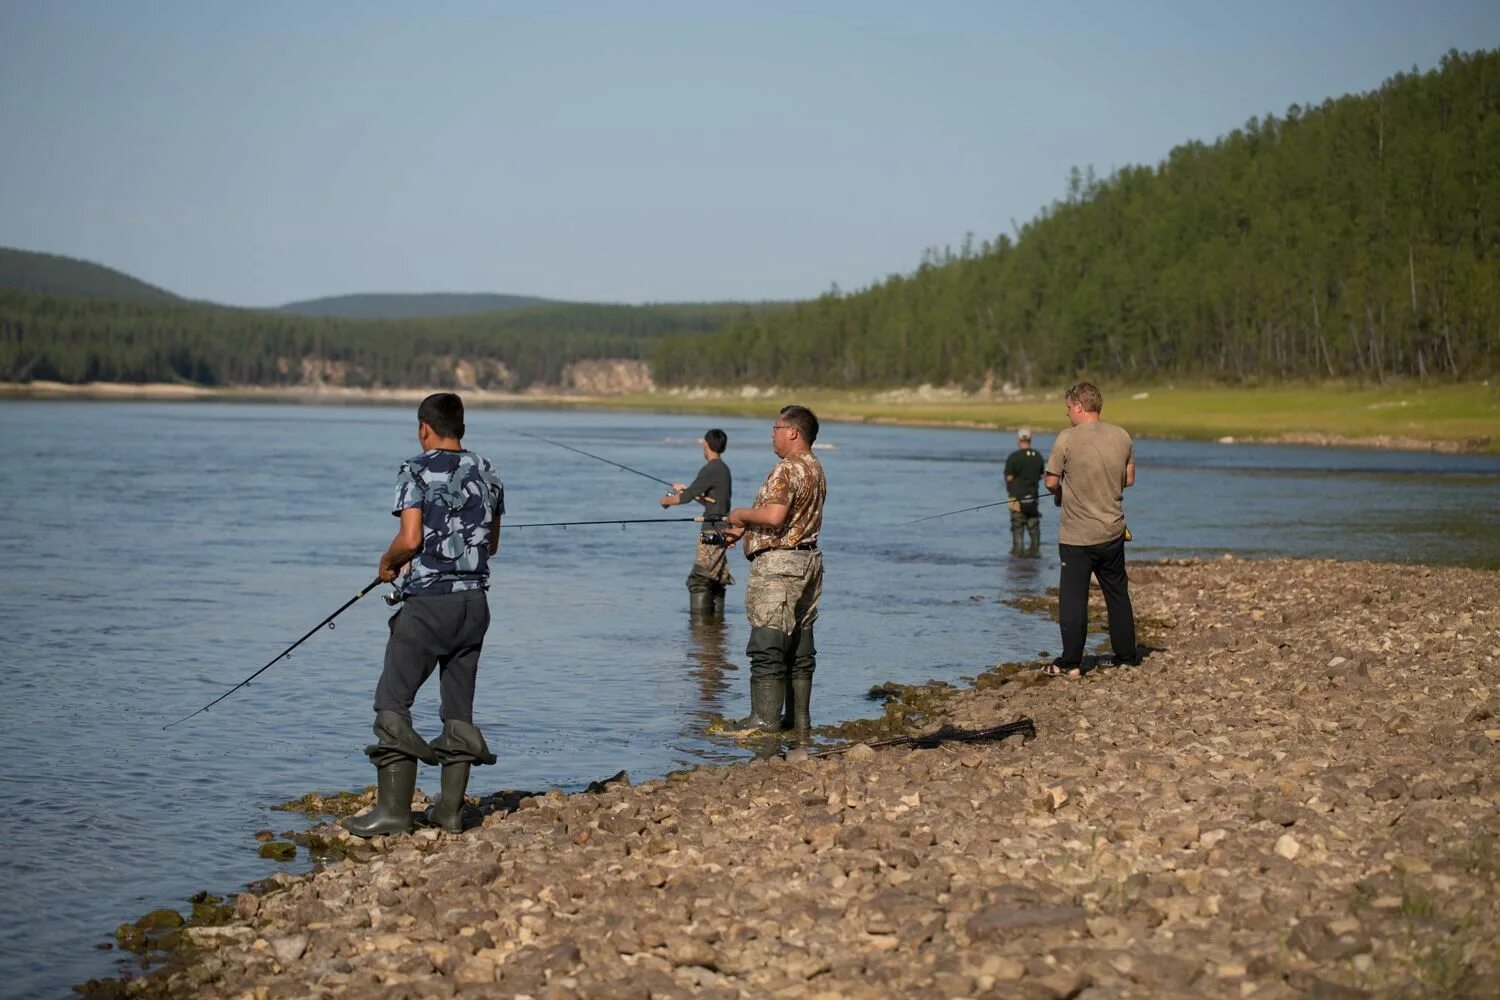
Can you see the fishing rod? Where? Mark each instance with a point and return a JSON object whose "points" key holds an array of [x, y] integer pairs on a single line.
{"points": [[598, 458], [284, 653], [965, 510], [622, 522]]}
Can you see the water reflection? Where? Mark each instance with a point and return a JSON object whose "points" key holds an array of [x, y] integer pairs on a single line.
{"points": [[707, 648]]}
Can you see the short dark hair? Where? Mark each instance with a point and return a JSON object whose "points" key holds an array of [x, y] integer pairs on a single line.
{"points": [[803, 419], [444, 413], [1086, 395], [716, 440]]}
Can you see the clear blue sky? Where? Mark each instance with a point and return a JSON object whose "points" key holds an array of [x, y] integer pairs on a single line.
{"points": [[262, 152]]}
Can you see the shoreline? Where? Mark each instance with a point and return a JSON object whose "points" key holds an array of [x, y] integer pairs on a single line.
{"points": [[1298, 793], [905, 408]]}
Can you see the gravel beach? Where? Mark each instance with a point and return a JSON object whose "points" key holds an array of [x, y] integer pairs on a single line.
{"points": [[1295, 796]]}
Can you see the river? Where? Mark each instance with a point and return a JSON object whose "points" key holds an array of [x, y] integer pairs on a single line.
{"points": [[164, 551]]}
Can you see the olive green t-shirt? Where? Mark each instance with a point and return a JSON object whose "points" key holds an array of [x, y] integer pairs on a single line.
{"points": [[1091, 459]]}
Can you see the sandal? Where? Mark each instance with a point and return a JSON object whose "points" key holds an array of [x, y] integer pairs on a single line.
{"points": [[1059, 670]]}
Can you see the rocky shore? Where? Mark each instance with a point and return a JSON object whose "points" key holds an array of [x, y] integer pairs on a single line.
{"points": [[1295, 795]]}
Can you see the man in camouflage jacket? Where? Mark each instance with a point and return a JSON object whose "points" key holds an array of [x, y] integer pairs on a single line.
{"points": [[780, 533]]}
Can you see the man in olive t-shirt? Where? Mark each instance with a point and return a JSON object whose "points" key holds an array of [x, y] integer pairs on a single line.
{"points": [[1091, 464]]}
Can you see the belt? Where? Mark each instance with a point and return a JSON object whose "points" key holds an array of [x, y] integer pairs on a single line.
{"points": [[803, 547]]}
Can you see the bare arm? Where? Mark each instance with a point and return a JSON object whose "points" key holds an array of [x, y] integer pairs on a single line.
{"points": [[1130, 473], [772, 515], [495, 533], [407, 543]]}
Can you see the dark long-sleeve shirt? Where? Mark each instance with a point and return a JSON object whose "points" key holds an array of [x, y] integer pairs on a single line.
{"points": [[713, 482]]}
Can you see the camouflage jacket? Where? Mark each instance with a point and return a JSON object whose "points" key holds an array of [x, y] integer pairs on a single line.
{"points": [[459, 494], [798, 482]]}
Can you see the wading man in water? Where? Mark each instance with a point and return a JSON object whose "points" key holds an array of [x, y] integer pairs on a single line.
{"points": [[1091, 464], [450, 502], [1023, 478], [780, 532], [710, 576]]}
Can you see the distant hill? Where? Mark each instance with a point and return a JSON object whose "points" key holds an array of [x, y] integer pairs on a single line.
{"points": [[415, 306], [50, 274]]}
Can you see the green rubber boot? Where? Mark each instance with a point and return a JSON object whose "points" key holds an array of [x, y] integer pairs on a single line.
{"points": [[1017, 543], [395, 782], [1034, 530], [804, 662], [448, 811], [717, 592], [768, 650], [700, 602], [766, 697]]}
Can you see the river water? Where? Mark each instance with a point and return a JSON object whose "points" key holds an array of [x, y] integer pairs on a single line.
{"points": [[165, 551]]}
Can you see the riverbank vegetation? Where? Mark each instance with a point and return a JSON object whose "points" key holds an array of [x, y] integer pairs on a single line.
{"points": [[1451, 417]]}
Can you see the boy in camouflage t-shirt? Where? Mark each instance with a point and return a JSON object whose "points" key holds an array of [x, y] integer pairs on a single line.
{"points": [[450, 502]]}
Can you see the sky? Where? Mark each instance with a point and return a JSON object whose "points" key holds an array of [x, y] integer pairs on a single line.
{"points": [[256, 154]]}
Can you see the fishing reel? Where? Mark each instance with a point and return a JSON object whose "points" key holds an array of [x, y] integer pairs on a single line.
{"points": [[394, 598]]}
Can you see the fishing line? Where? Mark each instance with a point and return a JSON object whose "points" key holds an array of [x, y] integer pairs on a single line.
{"points": [[965, 510], [590, 454], [284, 653]]}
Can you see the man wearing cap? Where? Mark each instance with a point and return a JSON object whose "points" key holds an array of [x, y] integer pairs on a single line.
{"points": [[1023, 477]]}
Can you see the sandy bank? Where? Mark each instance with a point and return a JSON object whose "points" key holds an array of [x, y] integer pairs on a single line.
{"points": [[1296, 795]]}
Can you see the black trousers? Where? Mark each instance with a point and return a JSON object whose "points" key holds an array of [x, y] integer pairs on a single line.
{"points": [[445, 631], [1079, 564]]}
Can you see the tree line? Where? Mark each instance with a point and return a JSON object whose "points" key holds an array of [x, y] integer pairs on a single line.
{"points": [[1356, 239], [74, 339]]}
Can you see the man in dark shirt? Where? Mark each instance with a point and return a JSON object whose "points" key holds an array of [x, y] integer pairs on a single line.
{"points": [[1023, 476], [710, 576]]}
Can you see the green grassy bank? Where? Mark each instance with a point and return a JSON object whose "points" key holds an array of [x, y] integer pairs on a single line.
{"points": [[1464, 417], [1455, 417]]}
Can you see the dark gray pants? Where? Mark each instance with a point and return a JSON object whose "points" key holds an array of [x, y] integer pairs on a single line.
{"points": [[447, 632]]}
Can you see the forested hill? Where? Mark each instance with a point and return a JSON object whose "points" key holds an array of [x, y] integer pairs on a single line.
{"points": [[72, 339], [51, 274], [1358, 238], [413, 306]]}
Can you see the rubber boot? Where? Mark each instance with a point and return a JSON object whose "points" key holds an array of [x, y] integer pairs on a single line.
{"points": [[767, 650], [801, 704], [448, 811], [395, 782], [700, 602], [766, 697], [717, 592], [1016, 534], [804, 662], [1034, 529]]}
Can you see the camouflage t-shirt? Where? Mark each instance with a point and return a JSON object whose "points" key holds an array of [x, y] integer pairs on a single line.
{"points": [[798, 482], [459, 494]]}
